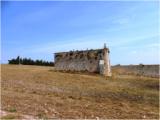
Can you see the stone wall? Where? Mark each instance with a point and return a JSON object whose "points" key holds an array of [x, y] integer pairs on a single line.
{"points": [[79, 60], [143, 70]]}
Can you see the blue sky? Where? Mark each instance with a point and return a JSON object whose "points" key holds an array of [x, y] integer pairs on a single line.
{"points": [[39, 29]]}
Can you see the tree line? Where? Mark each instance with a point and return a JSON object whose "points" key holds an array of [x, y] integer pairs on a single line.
{"points": [[29, 61]]}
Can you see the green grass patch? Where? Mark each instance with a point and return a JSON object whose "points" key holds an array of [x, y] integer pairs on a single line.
{"points": [[13, 109], [10, 116]]}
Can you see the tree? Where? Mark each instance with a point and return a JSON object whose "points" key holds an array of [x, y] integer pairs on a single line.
{"points": [[29, 61]]}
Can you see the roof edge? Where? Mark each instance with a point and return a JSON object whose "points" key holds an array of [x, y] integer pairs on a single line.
{"points": [[81, 50]]}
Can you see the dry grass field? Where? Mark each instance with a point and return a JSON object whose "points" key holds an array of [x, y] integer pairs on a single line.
{"points": [[41, 92]]}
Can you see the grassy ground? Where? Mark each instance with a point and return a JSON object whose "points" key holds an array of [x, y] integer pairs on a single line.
{"points": [[41, 92]]}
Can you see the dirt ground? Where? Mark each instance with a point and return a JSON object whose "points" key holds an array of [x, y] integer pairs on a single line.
{"points": [[41, 92]]}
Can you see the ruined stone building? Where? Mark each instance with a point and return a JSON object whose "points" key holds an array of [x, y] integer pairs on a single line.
{"points": [[96, 61]]}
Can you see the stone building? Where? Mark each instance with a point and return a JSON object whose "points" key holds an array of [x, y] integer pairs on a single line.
{"points": [[96, 61]]}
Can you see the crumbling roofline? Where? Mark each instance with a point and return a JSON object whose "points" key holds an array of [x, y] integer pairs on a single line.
{"points": [[80, 51]]}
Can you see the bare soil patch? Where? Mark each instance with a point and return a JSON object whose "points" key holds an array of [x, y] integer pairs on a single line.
{"points": [[40, 92]]}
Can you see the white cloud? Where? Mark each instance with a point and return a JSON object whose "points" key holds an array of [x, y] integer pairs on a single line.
{"points": [[90, 42], [121, 21], [83, 43], [134, 52]]}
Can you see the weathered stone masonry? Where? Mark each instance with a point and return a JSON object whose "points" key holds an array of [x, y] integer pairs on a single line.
{"points": [[88, 60]]}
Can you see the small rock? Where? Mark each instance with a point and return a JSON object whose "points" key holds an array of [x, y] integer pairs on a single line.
{"points": [[144, 116], [45, 111], [97, 118]]}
